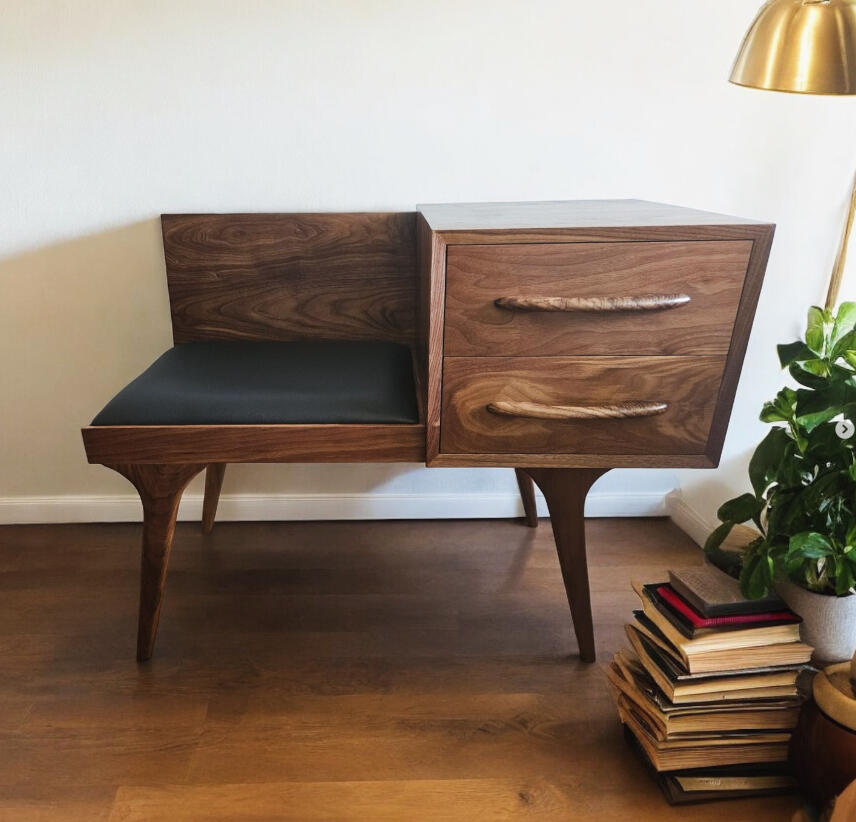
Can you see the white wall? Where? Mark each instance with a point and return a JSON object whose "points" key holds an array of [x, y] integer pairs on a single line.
{"points": [[111, 113]]}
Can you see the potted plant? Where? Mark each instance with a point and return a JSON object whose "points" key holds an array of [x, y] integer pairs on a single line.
{"points": [[803, 500]]}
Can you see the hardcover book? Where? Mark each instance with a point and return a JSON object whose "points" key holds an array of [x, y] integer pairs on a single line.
{"points": [[688, 786], [716, 651], [715, 594]]}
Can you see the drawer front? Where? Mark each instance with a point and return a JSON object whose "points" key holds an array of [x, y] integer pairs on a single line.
{"points": [[603, 298], [578, 405]]}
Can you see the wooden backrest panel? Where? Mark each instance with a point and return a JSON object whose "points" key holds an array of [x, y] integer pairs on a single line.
{"points": [[291, 276]]}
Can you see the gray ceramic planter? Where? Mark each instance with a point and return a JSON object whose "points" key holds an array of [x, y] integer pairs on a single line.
{"points": [[829, 622]]}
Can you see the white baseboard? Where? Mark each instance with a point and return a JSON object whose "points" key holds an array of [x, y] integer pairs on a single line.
{"points": [[247, 507], [688, 519]]}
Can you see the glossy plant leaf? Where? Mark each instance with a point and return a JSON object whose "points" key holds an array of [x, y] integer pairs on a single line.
{"points": [[803, 473], [845, 322]]}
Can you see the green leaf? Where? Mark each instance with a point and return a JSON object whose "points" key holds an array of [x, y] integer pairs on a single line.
{"points": [[793, 352], [816, 407], [845, 322], [816, 367], [815, 334], [728, 561], [786, 515], [810, 545], [844, 579], [799, 438], [804, 377], [740, 509], [782, 408], [813, 419], [776, 449], [846, 343], [771, 413], [755, 578], [718, 536], [850, 357]]}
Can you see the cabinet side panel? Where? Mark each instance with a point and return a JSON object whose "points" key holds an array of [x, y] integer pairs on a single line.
{"points": [[432, 300], [762, 241]]}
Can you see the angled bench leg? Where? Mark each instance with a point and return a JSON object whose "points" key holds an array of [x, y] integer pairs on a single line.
{"points": [[565, 490], [213, 483], [527, 494], [160, 488]]}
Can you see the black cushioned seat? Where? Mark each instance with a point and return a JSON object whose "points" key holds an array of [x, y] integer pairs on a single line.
{"points": [[232, 383]]}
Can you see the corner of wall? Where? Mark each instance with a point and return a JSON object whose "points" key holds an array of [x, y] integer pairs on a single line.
{"points": [[690, 521]]}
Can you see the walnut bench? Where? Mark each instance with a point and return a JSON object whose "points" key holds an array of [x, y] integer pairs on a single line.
{"points": [[561, 339]]}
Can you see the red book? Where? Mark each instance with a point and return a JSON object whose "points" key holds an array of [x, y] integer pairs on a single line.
{"points": [[667, 593]]}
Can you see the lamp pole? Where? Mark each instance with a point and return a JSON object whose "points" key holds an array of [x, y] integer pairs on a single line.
{"points": [[841, 257]]}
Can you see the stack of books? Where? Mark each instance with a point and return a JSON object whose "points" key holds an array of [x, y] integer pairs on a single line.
{"points": [[708, 691]]}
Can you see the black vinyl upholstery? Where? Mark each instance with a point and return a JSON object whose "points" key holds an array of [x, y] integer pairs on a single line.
{"points": [[232, 383]]}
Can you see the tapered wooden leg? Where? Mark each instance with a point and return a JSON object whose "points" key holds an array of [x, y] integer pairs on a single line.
{"points": [[160, 488], [213, 484], [527, 494], [565, 490]]}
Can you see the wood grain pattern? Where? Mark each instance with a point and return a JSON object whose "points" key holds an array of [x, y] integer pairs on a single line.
{"points": [[432, 292], [213, 483], [643, 302], [518, 460], [739, 341], [823, 755], [291, 276], [565, 490], [600, 276], [160, 488], [527, 495], [689, 385], [254, 443], [347, 671], [614, 411]]}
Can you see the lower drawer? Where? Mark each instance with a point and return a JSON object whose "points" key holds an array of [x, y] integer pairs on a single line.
{"points": [[578, 405]]}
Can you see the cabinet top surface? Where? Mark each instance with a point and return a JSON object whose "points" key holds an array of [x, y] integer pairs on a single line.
{"points": [[569, 214]]}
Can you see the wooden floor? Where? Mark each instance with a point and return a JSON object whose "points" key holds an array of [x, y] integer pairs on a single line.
{"points": [[323, 671]]}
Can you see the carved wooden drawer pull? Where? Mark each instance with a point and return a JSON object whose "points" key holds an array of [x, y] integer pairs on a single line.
{"points": [[643, 302], [611, 411]]}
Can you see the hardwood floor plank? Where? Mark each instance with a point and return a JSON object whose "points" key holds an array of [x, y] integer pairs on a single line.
{"points": [[449, 800], [308, 671]]}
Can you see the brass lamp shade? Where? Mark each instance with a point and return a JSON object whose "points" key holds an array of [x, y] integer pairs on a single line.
{"points": [[806, 46]]}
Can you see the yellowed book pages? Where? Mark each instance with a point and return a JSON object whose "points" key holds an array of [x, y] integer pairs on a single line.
{"points": [[621, 688], [709, 720], [665, 647], [676, 743], [629, 663], [676, 693], [725, 659], [732, 682], [734, 783], [704, 756]]}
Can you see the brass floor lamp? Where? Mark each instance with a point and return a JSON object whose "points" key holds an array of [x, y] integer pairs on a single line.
{"points": [[807, 47]]}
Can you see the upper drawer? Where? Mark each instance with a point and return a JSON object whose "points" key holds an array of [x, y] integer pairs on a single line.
{"points": [[593, 275]]}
